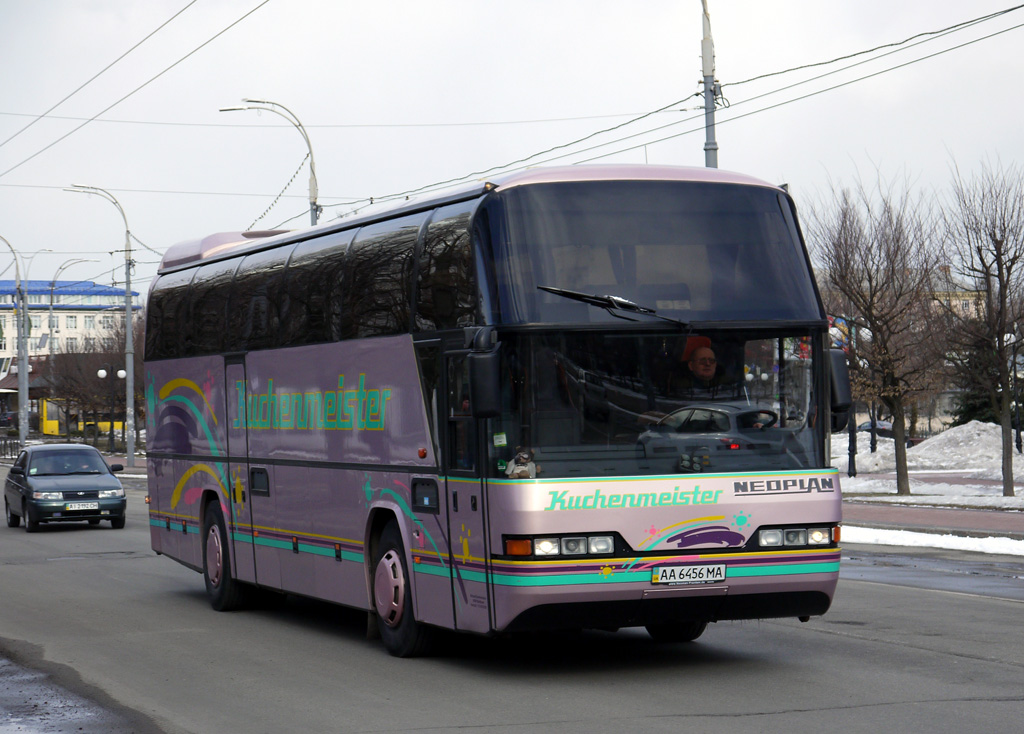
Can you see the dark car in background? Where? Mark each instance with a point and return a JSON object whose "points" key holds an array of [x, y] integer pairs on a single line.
{"points": [[63, 483], [882, 428]]}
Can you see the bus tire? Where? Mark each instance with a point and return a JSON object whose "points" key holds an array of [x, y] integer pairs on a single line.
{"points": [[401, 634], [225, 592], [687, 631], [12, 520]]}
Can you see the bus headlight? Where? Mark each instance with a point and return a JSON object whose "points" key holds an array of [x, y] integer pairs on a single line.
{"points": [[769, 538], [545, 547], [795, 536], [574, 546], [819, 536], [568, 545]]}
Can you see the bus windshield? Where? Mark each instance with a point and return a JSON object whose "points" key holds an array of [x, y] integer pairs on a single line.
{"points": [[627, 404], [692, 251]]}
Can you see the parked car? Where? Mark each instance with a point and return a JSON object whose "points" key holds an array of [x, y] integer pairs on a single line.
{"points": [[8, 419], [717, 437], [882, 428], [64, 482]]}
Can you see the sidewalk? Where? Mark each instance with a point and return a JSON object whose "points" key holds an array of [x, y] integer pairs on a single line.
{"points": [[940, 520]]}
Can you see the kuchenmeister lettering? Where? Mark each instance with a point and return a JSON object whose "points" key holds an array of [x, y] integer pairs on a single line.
{"points": [[598, 500]]}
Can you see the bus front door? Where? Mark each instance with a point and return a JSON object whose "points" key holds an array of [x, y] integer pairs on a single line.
{"points": [[466, 504], [250, 489]]}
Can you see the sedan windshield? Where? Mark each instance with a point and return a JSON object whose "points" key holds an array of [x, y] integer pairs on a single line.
{"points": [[51, 463]]}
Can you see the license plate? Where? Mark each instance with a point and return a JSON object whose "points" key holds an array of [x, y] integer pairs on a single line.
{"points": [[83, 506], [675, 575]]}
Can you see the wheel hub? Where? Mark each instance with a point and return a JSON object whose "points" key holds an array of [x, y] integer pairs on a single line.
{"points": [[214, 556], [389, 588]]}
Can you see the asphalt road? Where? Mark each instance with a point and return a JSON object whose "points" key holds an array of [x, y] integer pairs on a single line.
{"points": [[111, 623]]}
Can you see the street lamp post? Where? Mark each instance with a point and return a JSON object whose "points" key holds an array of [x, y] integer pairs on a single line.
{"points": [[19, 311], [53, 285], [102, 374], [129, 339], [21, 324], [263, 104]]}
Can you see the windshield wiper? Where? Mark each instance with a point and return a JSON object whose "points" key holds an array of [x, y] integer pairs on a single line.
{"points": [[611, 304]]}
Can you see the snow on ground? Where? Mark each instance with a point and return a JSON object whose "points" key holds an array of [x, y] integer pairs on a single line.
{"points": [[972, 450]]}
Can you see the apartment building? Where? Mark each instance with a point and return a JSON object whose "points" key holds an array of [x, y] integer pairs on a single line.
{"points": [[77, 315]]}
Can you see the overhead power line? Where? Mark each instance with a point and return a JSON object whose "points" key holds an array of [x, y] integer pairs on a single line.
{"points": [[510, 168], [344, 126], [98, 74], [137, 89]]}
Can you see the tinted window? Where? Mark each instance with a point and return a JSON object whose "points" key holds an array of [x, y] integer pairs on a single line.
{"points": [[693, 251], [168, 324], [258, 301], [210, 305], [379, 279], [313, 288], [446, 290]]}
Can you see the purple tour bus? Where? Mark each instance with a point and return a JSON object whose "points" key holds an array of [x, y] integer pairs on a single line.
{"points": [[585, 397]]}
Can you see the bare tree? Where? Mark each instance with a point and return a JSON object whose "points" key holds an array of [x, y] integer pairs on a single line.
{"points": [[984, 242], [75, 386], [877, 261]]}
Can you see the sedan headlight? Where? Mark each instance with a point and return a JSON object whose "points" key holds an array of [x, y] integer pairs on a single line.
{"points": [[109, 494], [37, 495]]}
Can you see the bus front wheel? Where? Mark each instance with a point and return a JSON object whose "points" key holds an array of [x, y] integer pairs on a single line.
{"points": [[401, 634], [225, 593]]}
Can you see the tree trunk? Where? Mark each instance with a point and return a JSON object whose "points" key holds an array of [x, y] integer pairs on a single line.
{"points": [[1006, 432], [899, 437]]}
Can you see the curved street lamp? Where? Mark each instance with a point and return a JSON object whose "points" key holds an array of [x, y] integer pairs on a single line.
{"points": [[21, 351], [129, 341], [268, 106], [21, 327]]}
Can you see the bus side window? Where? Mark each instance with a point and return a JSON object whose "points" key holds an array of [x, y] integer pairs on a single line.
{"points": [[445, 281], [461, 426], [210, 293], [378, 279], [169, 326]]}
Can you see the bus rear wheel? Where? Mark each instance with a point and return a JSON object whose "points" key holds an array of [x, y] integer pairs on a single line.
{"points": [[401, 634], [677, 631], [225, 593]]}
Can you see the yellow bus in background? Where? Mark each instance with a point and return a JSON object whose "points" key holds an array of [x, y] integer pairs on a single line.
{"points": [[53, 421]]}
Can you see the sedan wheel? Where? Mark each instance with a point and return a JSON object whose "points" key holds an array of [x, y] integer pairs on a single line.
{"points": [[30, 525], [12, 520]]}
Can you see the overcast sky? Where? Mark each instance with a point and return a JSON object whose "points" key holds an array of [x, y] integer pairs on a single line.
{"points": [[398, 95]]}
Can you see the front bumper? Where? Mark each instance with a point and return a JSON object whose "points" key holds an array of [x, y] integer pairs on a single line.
{"points": [[57, 510]]}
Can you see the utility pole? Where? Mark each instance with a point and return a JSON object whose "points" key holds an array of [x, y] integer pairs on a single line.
{"points": [[707, 52], [129, 336]]}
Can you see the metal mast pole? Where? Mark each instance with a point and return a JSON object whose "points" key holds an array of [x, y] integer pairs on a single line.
{"points": [[707, 52], [129, 341]]}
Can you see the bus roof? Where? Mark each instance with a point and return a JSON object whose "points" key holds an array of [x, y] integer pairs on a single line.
{"points": [[211, 247]]}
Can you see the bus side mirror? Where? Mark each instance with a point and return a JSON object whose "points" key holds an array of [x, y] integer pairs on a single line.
{"points": [[485, 375], [841, 397]]}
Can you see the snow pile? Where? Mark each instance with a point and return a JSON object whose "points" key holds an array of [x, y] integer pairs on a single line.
{"points": [[973, 449]]}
